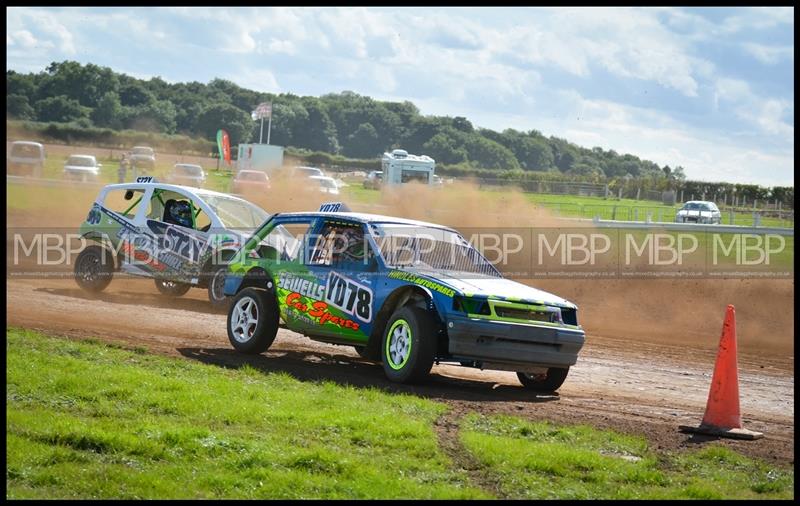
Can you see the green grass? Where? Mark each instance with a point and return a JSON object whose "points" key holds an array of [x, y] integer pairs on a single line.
{"points": [[87, 420], [574, 206], [536, 460], [94, 420]]}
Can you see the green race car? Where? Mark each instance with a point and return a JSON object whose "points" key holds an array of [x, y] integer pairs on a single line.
{"points": [[407, 293]]}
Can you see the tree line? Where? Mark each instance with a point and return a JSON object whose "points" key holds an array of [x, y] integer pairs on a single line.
{"points": [[345, 124]]}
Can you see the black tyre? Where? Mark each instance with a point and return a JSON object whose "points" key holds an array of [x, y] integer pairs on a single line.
{"points": [[545, 382], [252, 321], [408, 347], [216, 284], [364, 353], [171, 288], [94, 268]]}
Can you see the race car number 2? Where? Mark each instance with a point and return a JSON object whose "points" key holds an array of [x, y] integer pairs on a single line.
{"points": [[351, 297]]}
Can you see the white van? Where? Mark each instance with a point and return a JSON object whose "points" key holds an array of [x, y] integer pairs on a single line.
{"points": [[25, 158]]}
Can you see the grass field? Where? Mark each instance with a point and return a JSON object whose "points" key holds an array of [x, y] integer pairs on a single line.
{"points": [[92, 420]]}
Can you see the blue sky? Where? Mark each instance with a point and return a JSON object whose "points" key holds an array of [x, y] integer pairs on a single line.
{"points": [[710, 89]]}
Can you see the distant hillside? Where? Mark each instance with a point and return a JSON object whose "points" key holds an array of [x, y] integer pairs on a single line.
{"points": [[72, 101]]}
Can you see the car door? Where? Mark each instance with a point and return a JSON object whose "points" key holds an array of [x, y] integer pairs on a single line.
{"points": [[183, 246], [342, 261]]}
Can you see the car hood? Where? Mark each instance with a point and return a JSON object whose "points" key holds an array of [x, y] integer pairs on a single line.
{"points": [[502, 289], [82, 168]]}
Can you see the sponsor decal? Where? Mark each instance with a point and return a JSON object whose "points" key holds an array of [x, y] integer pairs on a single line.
{"points": [[418, 280], [303, 286], [350, 296], [318, 311]]}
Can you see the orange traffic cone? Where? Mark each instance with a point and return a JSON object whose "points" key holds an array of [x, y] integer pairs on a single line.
{"points": [[722, 417]]}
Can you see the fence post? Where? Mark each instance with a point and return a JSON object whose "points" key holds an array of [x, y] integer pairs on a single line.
{"points": [[638, 192], [635, 214], [614, 213], [681, 196], [730, 216], [660, 215]]}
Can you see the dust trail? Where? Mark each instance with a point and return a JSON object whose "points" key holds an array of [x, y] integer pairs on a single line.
{"points": [[652, 310]]}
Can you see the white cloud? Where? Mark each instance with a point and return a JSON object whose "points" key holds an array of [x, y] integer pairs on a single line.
{"points": [[764, 113], [631, 43], [769, 55], [256, 79]]}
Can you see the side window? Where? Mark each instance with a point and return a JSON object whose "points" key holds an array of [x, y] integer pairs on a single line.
{"points": [[284, 243], [125, 202], [177, 209], [341, 245]]}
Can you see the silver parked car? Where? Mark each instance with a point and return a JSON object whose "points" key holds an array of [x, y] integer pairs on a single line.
{"points": [[187, 174], [143, 157], [82, 168], [699, 211]]}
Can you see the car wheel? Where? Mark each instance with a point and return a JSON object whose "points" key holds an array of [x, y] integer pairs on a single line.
{"points": [[171, 288], [94, 268], [216, 286], [253, 321], [409, 345], [546, 382]]}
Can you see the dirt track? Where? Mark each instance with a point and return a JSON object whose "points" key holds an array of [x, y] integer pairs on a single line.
{"points": [[646, 367], [622, 384]]}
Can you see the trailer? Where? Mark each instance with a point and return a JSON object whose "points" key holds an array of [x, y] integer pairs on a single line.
{"points": [[400, 167]]}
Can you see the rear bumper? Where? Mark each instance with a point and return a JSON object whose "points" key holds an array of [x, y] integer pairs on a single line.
{"points": [[513, 343]]}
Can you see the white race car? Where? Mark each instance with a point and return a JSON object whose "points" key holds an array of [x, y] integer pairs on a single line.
{"points": [[699, 211], [180, 236]]}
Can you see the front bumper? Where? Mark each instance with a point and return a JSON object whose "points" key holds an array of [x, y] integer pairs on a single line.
{"points": [[513, 343]]}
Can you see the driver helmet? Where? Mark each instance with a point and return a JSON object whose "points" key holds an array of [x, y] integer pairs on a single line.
{"points": [[181, 213], [353, 242]]}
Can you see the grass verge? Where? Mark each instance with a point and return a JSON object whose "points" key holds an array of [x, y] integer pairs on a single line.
{"points": [[537, 460], [86, 420], [94, 420]]}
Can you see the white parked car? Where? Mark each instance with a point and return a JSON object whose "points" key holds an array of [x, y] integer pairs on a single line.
{"points": [[326, 184], [82, 168], [187, 174], [308, 171], [699, 211]]}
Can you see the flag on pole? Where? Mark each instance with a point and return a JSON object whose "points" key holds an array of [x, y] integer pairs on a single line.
{"points": [[264, 110], [224, 146]]}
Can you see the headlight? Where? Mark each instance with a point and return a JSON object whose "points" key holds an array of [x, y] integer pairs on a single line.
{"points": [[471, 305]]}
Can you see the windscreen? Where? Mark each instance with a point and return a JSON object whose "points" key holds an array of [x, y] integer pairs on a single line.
{"points": [[423, 248], [80, 161], [237, 213]]}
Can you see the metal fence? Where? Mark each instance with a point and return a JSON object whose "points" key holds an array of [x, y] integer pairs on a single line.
{"points": [[665, 214], [549, 187]]}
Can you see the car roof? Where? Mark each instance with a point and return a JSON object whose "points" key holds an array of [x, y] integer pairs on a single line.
{"points": [[698, 202], [188, 165], [200, 192], [81, 156], [320, 177], [368, 218], [29, 143]]}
